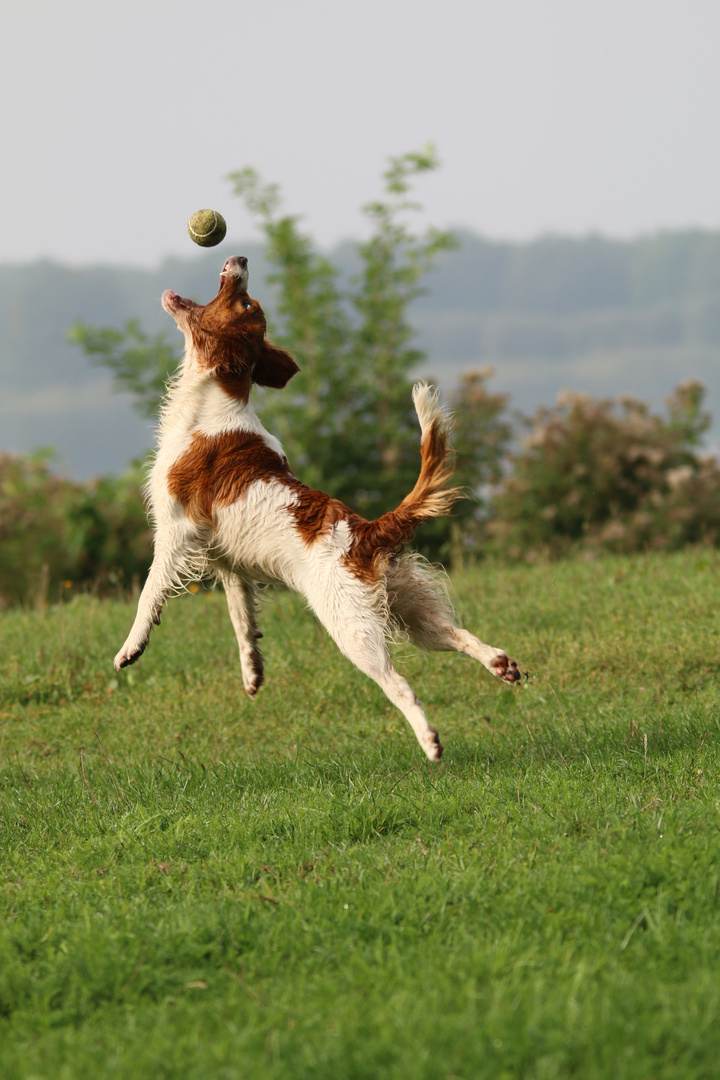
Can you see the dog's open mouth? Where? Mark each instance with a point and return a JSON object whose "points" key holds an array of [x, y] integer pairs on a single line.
{"points": [[235, 268]]}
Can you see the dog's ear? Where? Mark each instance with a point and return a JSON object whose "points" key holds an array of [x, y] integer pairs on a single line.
{"points": [[274, 367]]}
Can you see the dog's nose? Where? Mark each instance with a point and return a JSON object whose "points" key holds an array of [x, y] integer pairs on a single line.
{"points": [[237, 266]]}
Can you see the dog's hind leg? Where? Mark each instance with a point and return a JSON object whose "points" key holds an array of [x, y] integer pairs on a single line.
{"points": [[419, 603], [495, 660], [360, 633], [242, 605], [400, 692]]}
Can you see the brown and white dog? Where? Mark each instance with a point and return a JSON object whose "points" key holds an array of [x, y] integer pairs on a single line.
{"points": [[225, 503]]}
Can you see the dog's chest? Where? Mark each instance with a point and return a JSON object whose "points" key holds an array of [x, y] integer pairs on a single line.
{"points": [[197, 413]]}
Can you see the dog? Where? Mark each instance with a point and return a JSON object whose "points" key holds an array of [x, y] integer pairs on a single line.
{"points": [[225, 503]]}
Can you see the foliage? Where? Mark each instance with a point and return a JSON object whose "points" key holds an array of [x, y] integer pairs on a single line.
{"points": [[346, 421], [307, 316], [58, 536], [610, 474], [140, 364], [482, 436], [196, 885]]}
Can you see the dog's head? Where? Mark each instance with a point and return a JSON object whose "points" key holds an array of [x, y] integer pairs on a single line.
{"points": [[227, 335]]}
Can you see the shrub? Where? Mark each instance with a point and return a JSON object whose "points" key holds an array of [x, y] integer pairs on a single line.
{"points": [[57, 535], [608, 474]]}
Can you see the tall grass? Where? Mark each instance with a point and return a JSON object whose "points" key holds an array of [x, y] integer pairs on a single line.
{"points": [[196, 885]]}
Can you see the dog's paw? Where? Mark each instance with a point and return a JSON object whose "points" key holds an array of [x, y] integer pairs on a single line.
{"points": [[253, 684], [432, 746], [128, 655], [251, 663], [505, 668]]}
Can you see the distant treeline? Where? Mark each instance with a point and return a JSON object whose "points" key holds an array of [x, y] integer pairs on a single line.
{"points": [[599, 315], [560, 276]]}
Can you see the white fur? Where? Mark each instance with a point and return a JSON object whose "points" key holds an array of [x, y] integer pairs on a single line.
{"points": [[255, 539], [426, 400]]}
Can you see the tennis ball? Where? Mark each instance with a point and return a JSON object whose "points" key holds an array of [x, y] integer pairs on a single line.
{"points": [[207, 228]]}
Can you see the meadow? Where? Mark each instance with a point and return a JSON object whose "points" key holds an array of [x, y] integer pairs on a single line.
{"points": [[197, 885]]}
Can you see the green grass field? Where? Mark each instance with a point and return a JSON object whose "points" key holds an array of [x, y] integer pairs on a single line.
{"points": [[197, 885]]}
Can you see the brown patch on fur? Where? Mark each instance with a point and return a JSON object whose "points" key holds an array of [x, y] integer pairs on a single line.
{"points": [[216, 470], [372, 543], [376, 541], [316, 513], [236, 384]]}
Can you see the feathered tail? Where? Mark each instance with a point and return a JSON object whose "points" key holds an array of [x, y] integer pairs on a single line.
{"points": [[430, 497]]}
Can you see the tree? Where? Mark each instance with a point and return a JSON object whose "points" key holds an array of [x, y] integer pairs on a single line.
{"points": [[140, 364], [346, 421]]}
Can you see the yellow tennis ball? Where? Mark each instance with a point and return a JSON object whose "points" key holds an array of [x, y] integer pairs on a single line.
{"points": [[207, 228]]}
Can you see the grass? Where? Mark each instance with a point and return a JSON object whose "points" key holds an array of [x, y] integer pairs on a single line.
{"points": [[196, 885]]}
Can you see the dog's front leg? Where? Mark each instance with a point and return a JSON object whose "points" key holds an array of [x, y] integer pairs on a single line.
{"points": [[241, 600], [172, 555]]}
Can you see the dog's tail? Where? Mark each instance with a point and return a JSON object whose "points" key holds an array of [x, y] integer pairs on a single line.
{"points": [[431, 497]]}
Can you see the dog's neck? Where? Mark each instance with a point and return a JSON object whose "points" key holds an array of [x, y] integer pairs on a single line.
{"points": [[197, 403]]}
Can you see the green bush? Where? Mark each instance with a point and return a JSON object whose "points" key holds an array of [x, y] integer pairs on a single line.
{"points": [[608, 474], [57, 535]]}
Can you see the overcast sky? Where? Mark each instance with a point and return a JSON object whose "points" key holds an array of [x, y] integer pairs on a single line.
{"points": [[120, 119]]}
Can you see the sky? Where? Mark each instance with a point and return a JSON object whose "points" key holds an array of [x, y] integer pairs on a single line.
{"points": [[566, 116]]}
